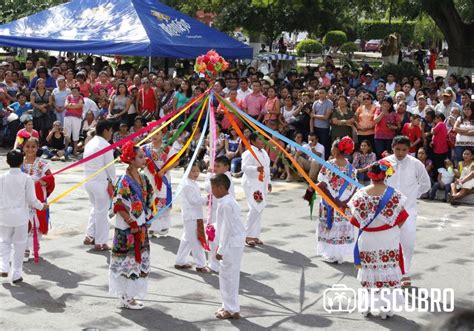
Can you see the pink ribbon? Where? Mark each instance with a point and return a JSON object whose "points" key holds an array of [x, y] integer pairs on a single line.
{"points": [[35, 242], [132, 136], [213, 144]]}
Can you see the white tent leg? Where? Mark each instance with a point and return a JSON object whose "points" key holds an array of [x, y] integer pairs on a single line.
{"points": [[149, 63]]}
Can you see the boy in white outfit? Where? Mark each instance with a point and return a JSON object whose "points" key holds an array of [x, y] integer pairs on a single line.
{"points": [[256, 184], [18, 194], [192, 213], [221, 166], [231, 234]]}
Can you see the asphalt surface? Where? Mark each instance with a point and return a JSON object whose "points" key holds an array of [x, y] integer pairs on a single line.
{"points": [[282, 283]]}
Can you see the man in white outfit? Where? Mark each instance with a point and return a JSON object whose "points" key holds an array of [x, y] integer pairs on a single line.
{"points": [[412, 179], [256, 184], [18, 195], [231, 234], [99, 186]]}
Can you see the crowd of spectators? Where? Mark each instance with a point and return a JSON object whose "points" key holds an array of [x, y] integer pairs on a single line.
{"points": [[59, 101]]}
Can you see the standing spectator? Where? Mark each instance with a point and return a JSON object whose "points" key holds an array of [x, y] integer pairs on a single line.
{"points": [[364, 120], [342, 120], [244, 90], [43, 117], [403, 114], [254, 103], [432, 63], [103, 83], [421, 107], [322, 111], [182, 97], [85, 88], [119, 105], [271, 116], [439, 141], [412, 130], [29, 71], [427, 162], [147, 104], [448, 102], [165, 102], [387, 123], [464, 128], [42, 73], [58, 99], [73, 116]]}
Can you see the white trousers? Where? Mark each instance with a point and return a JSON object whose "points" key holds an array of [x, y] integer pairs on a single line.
{"points": [[190, 244], [407, 239], [163, 222], [72, 125], [98, 226], [13, 238], [254, 223], [214, 264], [229, 278]]}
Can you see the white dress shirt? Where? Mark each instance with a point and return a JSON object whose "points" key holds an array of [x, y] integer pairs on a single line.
{"points": [[192, 201], [96, 144], [410, 178], [214, 199], [17, 192], [241, 95], [230, 229]]}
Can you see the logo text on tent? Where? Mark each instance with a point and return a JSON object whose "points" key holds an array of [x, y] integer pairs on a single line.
{"points": [[173, 27]]}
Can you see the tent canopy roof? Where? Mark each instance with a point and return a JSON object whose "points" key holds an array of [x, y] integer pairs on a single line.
{"points": [[122, 27]]}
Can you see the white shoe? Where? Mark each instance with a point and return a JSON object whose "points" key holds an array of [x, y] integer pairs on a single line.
{"points": [[163, 232], [132, 304], [151, 234], [365, 313], [26, 257], [329, 259], [385, 314]]}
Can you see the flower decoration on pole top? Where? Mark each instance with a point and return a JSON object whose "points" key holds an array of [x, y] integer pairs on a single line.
{"points": [[210, 64]]}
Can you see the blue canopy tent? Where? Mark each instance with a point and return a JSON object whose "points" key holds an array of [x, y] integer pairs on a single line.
{"points": [[119, 27]]}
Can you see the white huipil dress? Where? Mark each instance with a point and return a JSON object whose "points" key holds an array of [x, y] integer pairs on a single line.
{"points": [[337, 241], [379, 243]]}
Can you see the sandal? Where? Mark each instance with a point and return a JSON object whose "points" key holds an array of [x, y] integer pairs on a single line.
{"points": [[88, 241], [101, 248], [225, 314], [184, 266], [405, 282], [250, 242], [258, 242]]}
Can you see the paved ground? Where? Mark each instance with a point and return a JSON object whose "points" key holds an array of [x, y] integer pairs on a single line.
{"points": [[282, 283]]}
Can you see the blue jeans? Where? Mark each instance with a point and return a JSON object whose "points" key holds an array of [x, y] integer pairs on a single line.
{"points": [[325, 140], [60, 117], [436, 187], [235, 164], [382, 145], [49, 152]]}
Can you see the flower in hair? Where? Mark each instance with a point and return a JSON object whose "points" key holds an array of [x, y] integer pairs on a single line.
{"points": [[346, 145], [128, 152]]}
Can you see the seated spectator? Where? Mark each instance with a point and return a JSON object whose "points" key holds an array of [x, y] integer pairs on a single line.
{"points": [[276, 165], [138, 124], [21, 106], [232, 145], [88, 125], [464, 128], [119, 135], [298, 138], [363, 158], [310, 165], [25, 133], [464, 184], [423, 157], [412, 130], [57, 143], [444, 180]]}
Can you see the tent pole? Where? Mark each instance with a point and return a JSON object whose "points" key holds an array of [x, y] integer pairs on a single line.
{"points": [[149, 64]]}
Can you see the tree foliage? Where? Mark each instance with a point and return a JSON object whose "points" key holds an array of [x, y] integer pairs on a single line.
{"points": [[14, 9], [349, 48], [308, 46], [335, 38]]}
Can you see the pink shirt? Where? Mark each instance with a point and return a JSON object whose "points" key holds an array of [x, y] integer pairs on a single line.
{"points": [[254, 104], [440, 138]]}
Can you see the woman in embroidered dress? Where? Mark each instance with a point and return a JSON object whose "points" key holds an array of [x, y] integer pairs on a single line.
{"points": [[378, 210], [130, 258], [335, 234], [39, 171], [157, 155]]}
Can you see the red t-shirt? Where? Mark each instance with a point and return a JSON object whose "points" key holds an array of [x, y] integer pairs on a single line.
{"points": [[440, 138], [382, 131], [147, 100], [413, 133]]}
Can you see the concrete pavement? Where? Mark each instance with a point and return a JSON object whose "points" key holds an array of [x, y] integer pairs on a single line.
{"points": [[282, 283]]}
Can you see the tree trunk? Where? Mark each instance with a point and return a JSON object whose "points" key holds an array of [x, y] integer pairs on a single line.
{"points": [[457, 33]]}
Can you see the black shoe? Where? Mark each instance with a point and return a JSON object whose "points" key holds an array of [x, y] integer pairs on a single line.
{"points": [[19, 280]]}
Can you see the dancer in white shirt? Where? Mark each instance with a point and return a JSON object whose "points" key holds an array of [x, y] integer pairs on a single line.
{"points": [[17, 190], [412, 180], [221, 166], [256, 184], [193, 236], [231, 234], [99, 188]]}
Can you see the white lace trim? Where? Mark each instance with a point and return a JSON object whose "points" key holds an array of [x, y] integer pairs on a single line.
{"points": [[126, 266], [120, 286]]}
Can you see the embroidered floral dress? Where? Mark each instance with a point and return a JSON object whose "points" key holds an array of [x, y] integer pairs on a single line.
{"points": [[37, 170], [156, 160], [379, 242], [130, 258], [337, 240]]}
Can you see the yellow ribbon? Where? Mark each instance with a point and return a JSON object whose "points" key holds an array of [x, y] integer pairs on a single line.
{"points": [[151, 134]]}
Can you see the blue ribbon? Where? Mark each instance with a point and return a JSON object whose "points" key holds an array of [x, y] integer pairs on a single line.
{"points": [[190, 165], [383, 202], [298, 147], [137, 188], [329, 208]]}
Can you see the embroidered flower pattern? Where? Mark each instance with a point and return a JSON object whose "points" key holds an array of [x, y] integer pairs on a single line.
{"points": [[380, 264], [258, 196], [365, 207]]}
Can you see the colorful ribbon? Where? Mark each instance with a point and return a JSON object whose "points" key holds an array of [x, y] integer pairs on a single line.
{"points": [[186, 172], [292, 143]]}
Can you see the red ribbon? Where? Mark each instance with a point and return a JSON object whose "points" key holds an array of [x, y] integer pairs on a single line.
{"points": [[42, 214]]}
